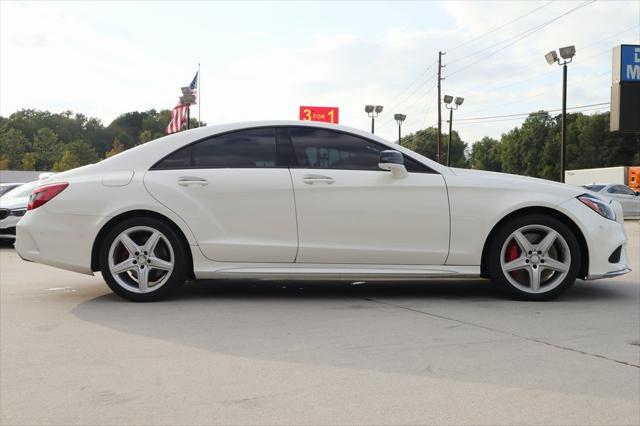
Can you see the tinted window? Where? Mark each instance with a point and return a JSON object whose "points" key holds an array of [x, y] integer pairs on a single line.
{"points": [[247, 148], [326, 149], [620, 189], [180, 159], [243, 149]]}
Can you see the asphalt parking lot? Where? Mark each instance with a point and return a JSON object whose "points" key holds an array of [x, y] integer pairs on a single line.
{"points": [[451, 352]]}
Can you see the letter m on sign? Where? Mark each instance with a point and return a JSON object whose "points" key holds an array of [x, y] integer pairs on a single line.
{"points": [[633, 72]]}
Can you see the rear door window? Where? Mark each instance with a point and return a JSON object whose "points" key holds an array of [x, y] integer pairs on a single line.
{"points": [[251, 148]]}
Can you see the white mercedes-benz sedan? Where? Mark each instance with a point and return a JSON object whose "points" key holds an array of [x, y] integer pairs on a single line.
{"points": [[292, 200]]}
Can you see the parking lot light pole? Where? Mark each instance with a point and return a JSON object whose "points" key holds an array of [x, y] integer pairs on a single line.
{"points": [[566, 53], [373, 111], [399, 119], [451, 103]]}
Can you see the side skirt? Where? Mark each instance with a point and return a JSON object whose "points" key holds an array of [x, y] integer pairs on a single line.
{"points": [[341, 272]]}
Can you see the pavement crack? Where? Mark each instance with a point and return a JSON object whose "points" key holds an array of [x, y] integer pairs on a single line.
{"points": [[495, 330]]}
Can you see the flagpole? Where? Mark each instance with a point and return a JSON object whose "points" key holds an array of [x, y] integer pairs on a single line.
{"points": [[199, 93]]}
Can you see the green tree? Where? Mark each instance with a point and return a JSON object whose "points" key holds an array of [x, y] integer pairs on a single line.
{"points": [[84, 152], [13, 145], [29, 161], [425, 142], [485, 155], [4, 162], [116, 148], [47, 148], [68, 161], [146, 136]]}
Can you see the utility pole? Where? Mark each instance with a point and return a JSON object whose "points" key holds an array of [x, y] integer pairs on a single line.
{"points": [[439, 156]]}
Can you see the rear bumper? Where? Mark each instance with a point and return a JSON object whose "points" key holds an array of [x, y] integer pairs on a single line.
{"points": [[60, 240]]}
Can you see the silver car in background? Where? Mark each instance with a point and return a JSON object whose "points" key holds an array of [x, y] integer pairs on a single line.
{"points": [[626, 196], [6, 187], [13, 205]]}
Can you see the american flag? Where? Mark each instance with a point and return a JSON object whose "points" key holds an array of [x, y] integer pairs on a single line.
{"points": [[178, 117], [194, 85]]}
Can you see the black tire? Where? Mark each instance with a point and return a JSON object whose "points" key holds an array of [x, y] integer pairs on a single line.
{"points": [[175, 278], [499, 277]]}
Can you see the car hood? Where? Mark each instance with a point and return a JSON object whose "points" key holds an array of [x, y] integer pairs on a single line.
{"points": [[521, 182], [14, 203]]}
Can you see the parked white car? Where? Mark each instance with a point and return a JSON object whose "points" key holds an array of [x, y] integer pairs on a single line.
{"points": [[627, 197], [301, 200], [13, 205]]}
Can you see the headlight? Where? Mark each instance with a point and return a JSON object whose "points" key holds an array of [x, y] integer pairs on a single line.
{"points": [[18, 212], [598, 206]]}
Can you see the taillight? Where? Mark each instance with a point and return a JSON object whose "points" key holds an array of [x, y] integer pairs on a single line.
{"points": [[40, 196]]}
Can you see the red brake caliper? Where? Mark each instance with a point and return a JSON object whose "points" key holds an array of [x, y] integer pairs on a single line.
{"points": [[513, 252]]}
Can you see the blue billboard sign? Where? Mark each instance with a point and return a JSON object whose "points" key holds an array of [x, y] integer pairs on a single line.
{"points": [[629, 63]]}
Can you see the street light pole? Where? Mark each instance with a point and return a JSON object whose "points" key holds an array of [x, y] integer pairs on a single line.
{"points": [[373, 111], [451, 103], [449, 143], [399, 119], [566, 53], [563, 136]]}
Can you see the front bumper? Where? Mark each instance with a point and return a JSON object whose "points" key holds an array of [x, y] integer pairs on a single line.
{"points": [[8, 227], [603, 238]]}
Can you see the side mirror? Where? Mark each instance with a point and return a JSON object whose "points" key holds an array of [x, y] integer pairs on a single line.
{"points": [[393, 161]]}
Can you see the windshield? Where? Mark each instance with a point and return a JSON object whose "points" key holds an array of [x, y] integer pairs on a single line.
{"points": [[21, 191], [594, 188]]}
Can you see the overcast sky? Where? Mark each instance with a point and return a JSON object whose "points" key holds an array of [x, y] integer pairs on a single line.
{"points": [[262, 60]]}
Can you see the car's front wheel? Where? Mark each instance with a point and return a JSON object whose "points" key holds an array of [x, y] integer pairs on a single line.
{"points": [[143, 259], [534, 257]]}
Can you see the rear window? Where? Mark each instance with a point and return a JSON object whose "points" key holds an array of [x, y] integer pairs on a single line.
{"points": [[250, 148]]}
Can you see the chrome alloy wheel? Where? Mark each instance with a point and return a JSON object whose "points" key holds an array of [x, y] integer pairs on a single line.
{"points": [[535, 259], [141, 259]]}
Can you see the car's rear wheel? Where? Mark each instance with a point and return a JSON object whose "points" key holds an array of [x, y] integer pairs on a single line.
{"points": [[143, 259], [534, 257]]}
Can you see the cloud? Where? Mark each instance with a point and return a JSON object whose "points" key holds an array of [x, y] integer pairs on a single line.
{"points": [[59, 58]]}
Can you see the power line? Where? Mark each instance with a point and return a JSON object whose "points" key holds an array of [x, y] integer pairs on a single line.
{"points": [[518, 37], [530, 113], [524, 33], [414, 92], [503, 104], [388, 119], [523, 117], [580, 59], [412, 83], [549, 72], [499, 28]]}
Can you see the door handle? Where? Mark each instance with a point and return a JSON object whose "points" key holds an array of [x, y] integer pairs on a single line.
{"points": [[313, 179], [191, 180]]}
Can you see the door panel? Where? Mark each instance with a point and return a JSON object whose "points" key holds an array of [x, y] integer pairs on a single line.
{"points": [[362, 216], [236, 215]]}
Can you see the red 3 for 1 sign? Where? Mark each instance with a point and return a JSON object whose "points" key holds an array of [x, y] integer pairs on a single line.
{"points": [[314, 113]]}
